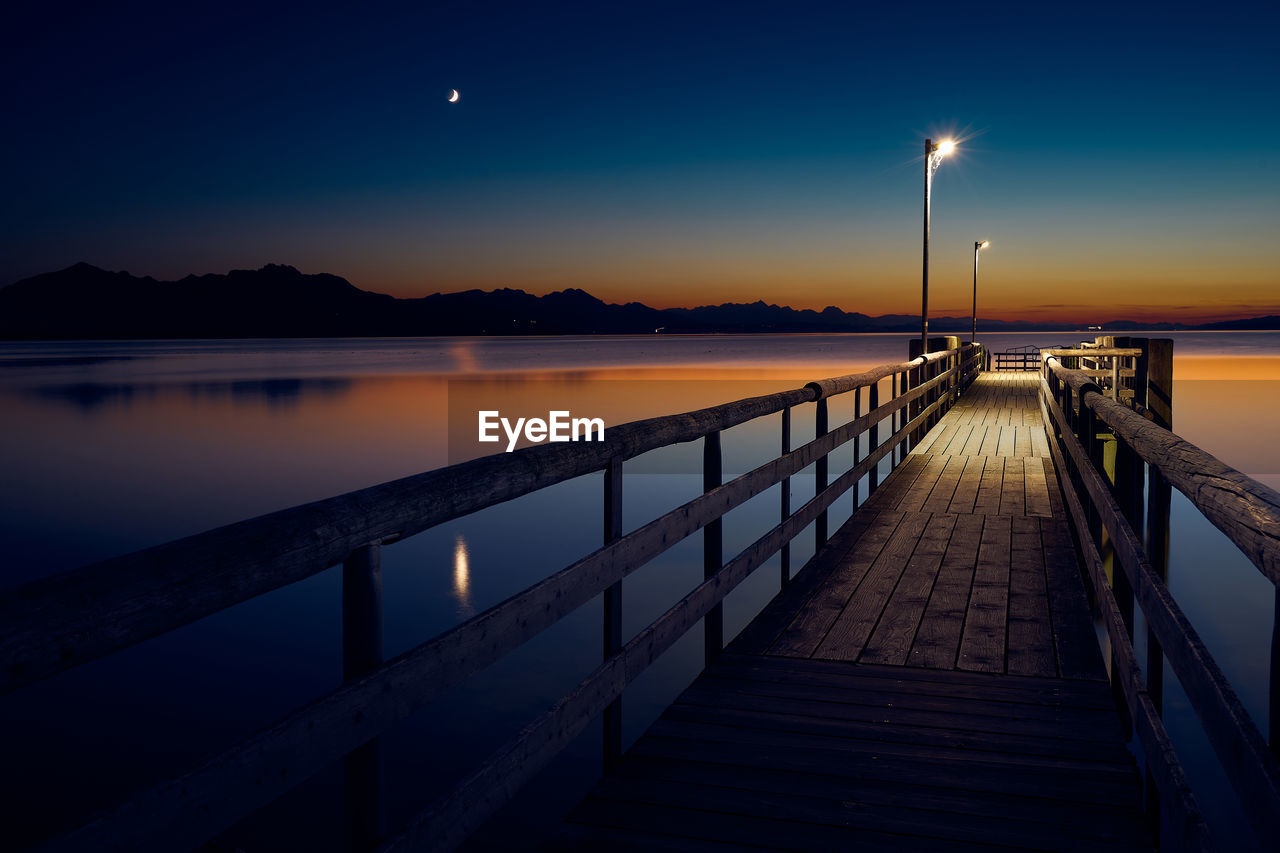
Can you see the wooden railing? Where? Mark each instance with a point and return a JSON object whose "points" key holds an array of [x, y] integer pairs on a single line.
{"points": [[1018, 358], [58, 623], [1110, 494], [1114, 365]]}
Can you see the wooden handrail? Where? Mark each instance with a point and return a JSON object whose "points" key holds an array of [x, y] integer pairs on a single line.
{"points": [[1247, 511], [1167, 771], [57, 623], [451, 819], [189, 810], [1093, 352], [1243, 752]]}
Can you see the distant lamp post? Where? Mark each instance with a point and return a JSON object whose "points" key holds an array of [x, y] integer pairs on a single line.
{"points": [[977, 247], [933, 154]]}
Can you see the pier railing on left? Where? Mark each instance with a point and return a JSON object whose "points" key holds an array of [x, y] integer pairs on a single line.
{"points": [[58, 623]]}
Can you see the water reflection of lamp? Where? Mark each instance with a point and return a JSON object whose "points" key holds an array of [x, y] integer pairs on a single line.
{"points": [[462, 576]]}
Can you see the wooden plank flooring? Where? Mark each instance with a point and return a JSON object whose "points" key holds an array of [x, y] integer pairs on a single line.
{"points": [[930, 681]]}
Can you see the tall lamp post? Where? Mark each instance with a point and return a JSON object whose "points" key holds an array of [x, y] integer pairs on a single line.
{"points": [[977, 247], [933, 154]]}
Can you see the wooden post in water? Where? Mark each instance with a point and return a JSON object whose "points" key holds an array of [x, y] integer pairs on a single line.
{"points": [[712, 549], [786, 495], [820, 475], [612, 747], [1160, 381], [1153, 386], [1141, 365], [361, 653], [1273, 729]]}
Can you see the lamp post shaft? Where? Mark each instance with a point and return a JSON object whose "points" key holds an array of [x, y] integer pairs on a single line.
{"points": [[973, 337], [924, 277]]}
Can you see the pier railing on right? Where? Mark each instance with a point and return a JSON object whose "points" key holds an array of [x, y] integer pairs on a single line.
{"points": [[1118, 464]]}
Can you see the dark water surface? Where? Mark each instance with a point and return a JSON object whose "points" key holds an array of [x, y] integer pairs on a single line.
{"points": [[109, 447]]}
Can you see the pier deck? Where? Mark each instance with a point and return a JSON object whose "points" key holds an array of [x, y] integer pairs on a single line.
{"points": [[931, 681]]}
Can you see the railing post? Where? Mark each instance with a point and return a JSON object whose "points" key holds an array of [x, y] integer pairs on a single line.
{"points": [[1088, 426], [955, 378], [900, 415], [930, 396], [361, 653], [820, 475], [857, 445], [786, 495], [712, 549], [612, 746], [1128, 493], [873, 403], [912, 378], [1159, 493]]}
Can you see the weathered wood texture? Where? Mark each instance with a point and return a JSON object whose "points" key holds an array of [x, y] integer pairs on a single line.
{"points": [[1249, 763], [929, 681], [1178, 807], [778, 753], [959, 563], [1244, 509]]}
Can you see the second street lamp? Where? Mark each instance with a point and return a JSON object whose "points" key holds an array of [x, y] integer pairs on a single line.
{"points": [[977, 247], [933, 154]]}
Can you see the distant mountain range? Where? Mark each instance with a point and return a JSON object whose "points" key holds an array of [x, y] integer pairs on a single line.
{"points": [[85, 302]]}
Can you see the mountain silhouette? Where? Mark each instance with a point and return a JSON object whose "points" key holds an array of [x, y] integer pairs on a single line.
{"points": [[85, 302]]}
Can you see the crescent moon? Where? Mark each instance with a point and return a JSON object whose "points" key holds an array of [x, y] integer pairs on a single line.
{"points": [[453, 96]]}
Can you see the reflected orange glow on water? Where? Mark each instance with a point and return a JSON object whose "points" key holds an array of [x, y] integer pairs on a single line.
{"points": [[1250, 367]]}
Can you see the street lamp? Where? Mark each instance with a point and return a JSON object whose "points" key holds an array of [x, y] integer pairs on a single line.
{"points": [[933, 154], [977, 247]]}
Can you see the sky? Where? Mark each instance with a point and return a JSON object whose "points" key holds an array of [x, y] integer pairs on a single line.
{"points": [[1119, 157]]}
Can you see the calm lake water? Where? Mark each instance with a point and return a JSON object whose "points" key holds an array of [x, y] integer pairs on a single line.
{"points": [[110, 447]]}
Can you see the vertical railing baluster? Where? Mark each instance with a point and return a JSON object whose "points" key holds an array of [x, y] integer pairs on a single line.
{"points": [[1159, 493], [1088, 422], [820, 475], [612, 745], [873, 481], [913, 408], [786, 495], [1128, 493], [361, 653], [899, 415], [712, 549], [857, 445]]}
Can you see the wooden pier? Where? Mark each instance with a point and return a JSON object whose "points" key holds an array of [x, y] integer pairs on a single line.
{"points": [[930, 680]]}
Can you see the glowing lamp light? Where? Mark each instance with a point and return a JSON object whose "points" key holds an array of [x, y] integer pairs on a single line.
{"points": [[945, 147], [977, 247]]}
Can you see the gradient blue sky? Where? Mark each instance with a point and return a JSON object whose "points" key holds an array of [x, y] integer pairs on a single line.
{"points": [[1119, 156]]}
